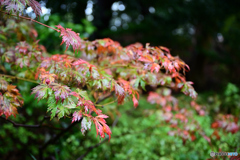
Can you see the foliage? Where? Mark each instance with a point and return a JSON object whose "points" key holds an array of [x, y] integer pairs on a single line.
{"points": [[137, 134], [151, 137], [75, 88], [15, 6], [50, 39], [57, 70], [9, 99]]}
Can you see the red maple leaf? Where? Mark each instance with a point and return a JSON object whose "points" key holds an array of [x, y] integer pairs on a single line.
{"points": [[69, 37], [7, 108], [146, 58], [36, 6], [101, 126], [61, 91], [76, 116], [10, 99], [13, 6], [80, 61], [135, 101], [155, 67], [119, 91], [18, 6], [22, 47], [165, 49], [40, 91]]}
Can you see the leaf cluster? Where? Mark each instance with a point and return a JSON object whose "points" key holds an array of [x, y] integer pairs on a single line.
{"points": [[105, 67]]}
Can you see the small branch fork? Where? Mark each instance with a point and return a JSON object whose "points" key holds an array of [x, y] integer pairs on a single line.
{"points": [[30, 19]]}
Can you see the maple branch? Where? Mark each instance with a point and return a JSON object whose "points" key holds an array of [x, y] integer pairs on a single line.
{"points": [[115, 122], [101, 105], [122, 65], [21, 125], [14, 77], [89, 149], [54, 139], [102, 99], [30, 19], [31, 126]]}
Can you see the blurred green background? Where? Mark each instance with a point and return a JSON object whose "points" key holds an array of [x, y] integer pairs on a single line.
{"points": [[204, 33]]}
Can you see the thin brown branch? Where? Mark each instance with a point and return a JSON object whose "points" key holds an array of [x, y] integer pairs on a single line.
{"points": [[51, 127], [23, 79], [89, 149], [30, 19], [102, 99], [40, 125], [115, 121], [54, 139], [100, 105], [21, 125]]}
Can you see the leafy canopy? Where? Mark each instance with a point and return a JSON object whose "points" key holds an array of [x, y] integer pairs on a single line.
{"points": [[74, 86]]}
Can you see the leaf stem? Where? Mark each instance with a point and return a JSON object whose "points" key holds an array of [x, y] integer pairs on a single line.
{"points": [[30, 19], [121, 65], [100, 105], [13, 77]]}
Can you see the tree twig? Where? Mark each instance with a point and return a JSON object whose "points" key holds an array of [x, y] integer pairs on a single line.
{"points": [[115, 121], [105, 103], [54, 139], [30, 19], [102, 99], [24, 125], [13, 77], [40, 125], [89, 149]]}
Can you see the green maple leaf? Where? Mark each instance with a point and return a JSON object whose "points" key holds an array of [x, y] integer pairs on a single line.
{"points": [[136, 84], [52, 106], [69, 103], [143, 84], [105, 83], [62, 111], [58, 108], [83, 94]]}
